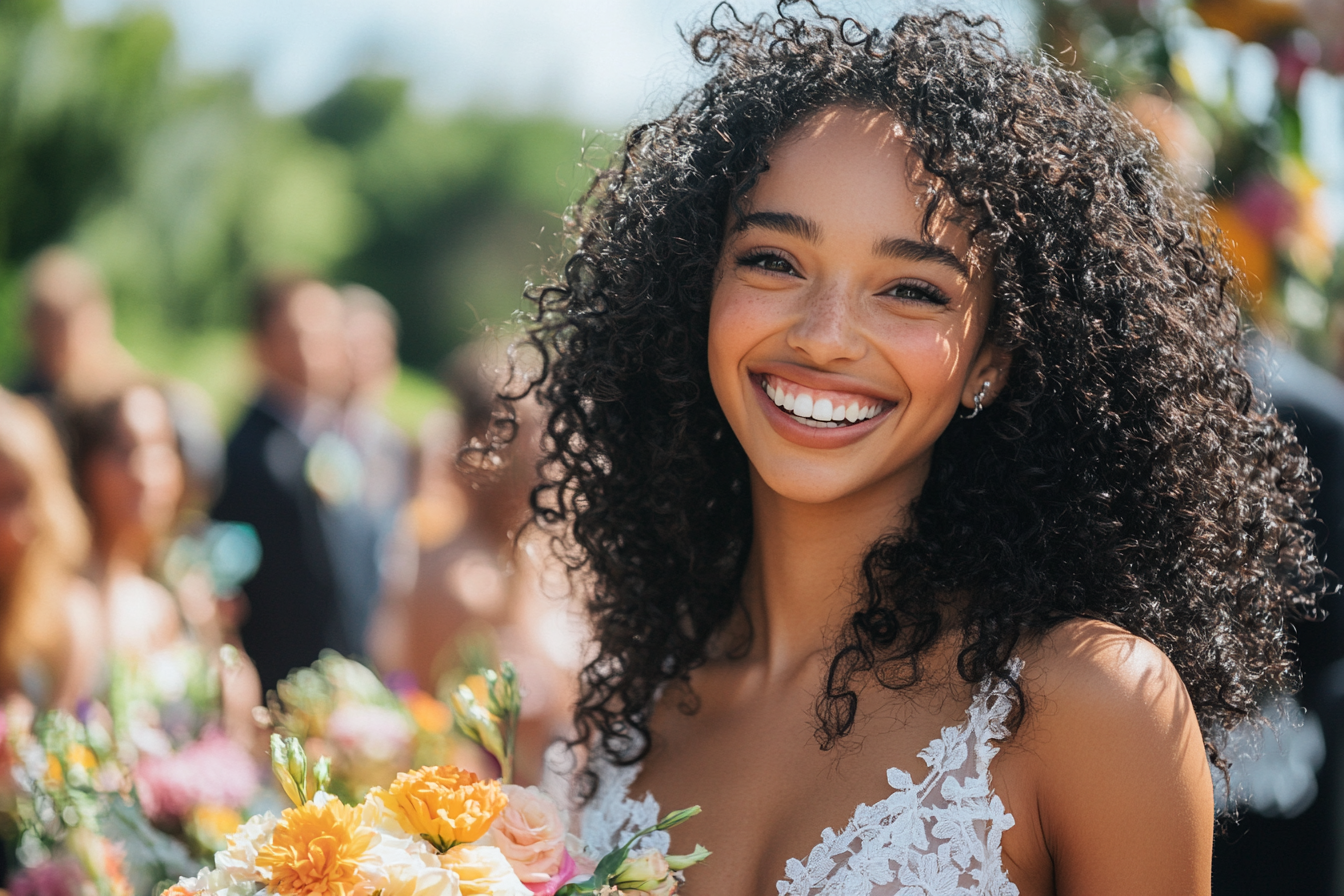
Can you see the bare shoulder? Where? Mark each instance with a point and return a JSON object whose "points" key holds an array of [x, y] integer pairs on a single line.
{"points": [[1101, 698], [1114, 756], [1088, 666]]}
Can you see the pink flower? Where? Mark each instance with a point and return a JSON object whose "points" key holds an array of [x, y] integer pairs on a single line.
{"points": [[531, 834], [378, 733], [1267, 206], [212, 771], [568, 871], [58, 877]]}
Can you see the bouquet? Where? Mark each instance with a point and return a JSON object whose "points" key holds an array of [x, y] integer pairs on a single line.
{"points": [[69, 811], [435, 831], [193, 781]]}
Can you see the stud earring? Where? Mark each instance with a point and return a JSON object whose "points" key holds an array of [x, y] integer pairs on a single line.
{"points": [[979, 399]]}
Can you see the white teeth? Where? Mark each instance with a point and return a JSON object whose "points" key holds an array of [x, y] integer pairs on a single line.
{"points": [[820, 413]]}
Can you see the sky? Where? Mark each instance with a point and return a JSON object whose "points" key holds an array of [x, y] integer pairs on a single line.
{"points": [[601, 62]]}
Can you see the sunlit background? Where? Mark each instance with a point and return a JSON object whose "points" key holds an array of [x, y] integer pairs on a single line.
{"points": [[427, 148]]}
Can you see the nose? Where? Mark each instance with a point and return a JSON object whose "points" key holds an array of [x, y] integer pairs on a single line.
{"points": [[826, 329]]}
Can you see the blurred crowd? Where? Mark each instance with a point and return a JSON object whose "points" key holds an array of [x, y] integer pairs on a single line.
{"points": [[130, 530]]}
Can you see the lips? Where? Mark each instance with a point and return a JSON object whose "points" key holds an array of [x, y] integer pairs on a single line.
{"points": [[820, 408]]}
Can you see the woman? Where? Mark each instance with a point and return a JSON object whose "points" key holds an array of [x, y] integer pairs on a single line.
{"points": [[129, 472], [46, 622], [898, 422]]}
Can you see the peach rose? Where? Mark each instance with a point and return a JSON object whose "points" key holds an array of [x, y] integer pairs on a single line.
{"points": [[531, 834]]}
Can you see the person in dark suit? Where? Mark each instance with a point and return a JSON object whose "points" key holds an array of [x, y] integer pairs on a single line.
{"points": [[1294, 846], [297, 481]]}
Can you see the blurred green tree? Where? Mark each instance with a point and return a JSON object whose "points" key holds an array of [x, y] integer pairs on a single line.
{"points": [[182, 189]]}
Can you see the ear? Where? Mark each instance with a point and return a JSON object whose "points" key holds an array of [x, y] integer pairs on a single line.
{"points": [[990, 366]]}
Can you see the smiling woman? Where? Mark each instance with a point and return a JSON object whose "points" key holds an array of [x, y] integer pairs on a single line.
{"points": [[897, 405]]}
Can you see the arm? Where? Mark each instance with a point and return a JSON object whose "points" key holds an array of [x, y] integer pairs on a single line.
{"points": [[1124, 791]]}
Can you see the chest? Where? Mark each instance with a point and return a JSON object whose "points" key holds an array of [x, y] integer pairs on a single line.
{"points": [[768, 792]]}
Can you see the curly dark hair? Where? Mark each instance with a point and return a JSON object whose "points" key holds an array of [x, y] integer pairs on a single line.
{"points": [[1129, 472]]}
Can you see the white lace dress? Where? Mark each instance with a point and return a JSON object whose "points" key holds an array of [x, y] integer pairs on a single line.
{"points": [[940, 837]]}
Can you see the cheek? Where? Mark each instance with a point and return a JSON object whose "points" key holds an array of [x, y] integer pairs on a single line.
{"points": [[930, 359], [729, 338]]}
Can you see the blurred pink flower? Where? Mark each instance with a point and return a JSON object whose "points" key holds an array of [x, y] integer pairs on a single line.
{"points": [[375, 732], [58, 877], [214, 770], [1267, 206]]}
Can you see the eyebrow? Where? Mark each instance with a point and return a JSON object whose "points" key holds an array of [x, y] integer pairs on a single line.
{"points": [[781, 222], [899, 248], [903, 249]]}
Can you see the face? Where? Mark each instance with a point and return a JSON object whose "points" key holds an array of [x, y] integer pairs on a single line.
{"points": [[137, 482], [372, 345], [843, 337], [304, 346]]}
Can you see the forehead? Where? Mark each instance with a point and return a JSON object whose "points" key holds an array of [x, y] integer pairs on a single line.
{"points": [[853, 165]]}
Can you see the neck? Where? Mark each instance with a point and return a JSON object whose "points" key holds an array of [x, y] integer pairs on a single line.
{"points": [[126, 553], [804, 570]]}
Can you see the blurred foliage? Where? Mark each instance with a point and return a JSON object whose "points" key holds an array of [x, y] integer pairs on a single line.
{"points": [[1246, 97], [182, 189]]}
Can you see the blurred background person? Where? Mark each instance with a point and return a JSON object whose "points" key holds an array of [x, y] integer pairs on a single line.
{"points": [[129, 471], [292, 476], [371, 333], [482, 589], [48, 615], [68, 321]]}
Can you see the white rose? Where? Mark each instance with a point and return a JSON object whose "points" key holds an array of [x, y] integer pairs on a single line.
{"points": [[239, 860], [483, 871]]}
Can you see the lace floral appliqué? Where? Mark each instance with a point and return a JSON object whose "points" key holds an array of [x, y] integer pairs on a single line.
{"points": [[940, 837]]}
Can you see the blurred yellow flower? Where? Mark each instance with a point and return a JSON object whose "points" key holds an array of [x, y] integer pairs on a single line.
{"points": [[211, 825], [315, 850], [78, 754], [478, 687], [445, 805]]}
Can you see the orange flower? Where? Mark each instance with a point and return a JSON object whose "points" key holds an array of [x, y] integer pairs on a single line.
{"points": [[429, 714], [315, 850], [446, 805], [176, 890]]}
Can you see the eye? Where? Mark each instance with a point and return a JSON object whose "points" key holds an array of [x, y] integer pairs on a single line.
{"points": [[767, 261], [918, 291]]}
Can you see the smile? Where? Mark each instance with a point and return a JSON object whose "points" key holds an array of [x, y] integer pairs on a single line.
{"points": [[821, 409]]}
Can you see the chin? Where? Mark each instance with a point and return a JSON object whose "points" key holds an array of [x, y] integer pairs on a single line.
{"points": [[807, 487]]}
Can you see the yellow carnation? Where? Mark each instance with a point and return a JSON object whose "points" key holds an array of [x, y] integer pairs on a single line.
{"points": [[315, 851], [445, 805], [483, 871]]}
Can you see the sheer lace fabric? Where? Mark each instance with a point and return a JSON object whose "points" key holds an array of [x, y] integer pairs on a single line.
{"points": [[939, 837]]}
